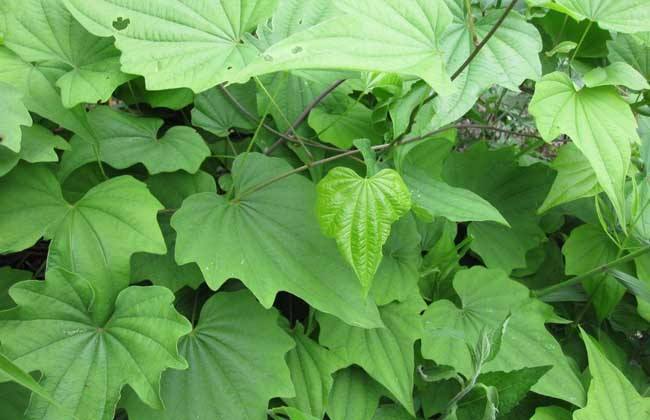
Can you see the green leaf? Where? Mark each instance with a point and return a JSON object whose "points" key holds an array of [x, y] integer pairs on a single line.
{"points": [[290, 413], [311, 369], [617, 73], [355, 396], [134, 92], [509, 57], [631, 50], [8, 277], [563, 47], [340, 129], [621, 15], [14, 114], [102, 230], [37, 145], [587, 248], [551, 413], [487, 297], [85, 364], [598, 121], [370, 35], [236, 363], [214, 112], [359, 212], [386, 354], [176, 44], [269, 239], [171, 190], [124, 140], [45, 32], [610, 395], [575, 178]]}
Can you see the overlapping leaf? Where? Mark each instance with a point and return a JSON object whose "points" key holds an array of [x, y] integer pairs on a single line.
{"points": [[14, 114]]}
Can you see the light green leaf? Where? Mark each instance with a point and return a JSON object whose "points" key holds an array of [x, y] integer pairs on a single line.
{"points": [[236, 364], [355, 396], [85, 363], [43, 31], [14, 114], [171, 190], [135, 92], [290, 413], [509, 57], [487, 297], [620, 15], [575, 178], [617, 73], [587, 248], [177, 43], [551, 413], [340, 129], [598, 121], [631, 50], [124, 140], [311, 367], [563, 47], [386, 354], [101, 231], [214, 112], [393, 36], [611, 395], [269, 239], [37, 145], [359, 212]]}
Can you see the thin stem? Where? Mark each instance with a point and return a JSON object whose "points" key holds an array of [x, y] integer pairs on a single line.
{"points": [[470, 21], [582, 38], [598, 270], [303, 115]]}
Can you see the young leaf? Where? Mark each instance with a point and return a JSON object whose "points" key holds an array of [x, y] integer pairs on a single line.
{"points": [[487, 297], [386, 354], [176, 44], [598, 121], [14, 114], [269, 239], [396, 36], [359, 212], [236, 363], [85, 364], [43, 31], [610, 395], [122, 140]]}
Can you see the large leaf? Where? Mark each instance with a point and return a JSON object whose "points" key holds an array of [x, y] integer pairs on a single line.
{"points": [[589, 247], [85, 363], [399, 36], [616, 74], [619, 15], [177, 43], [509, 57], [598, 121], [124, 140], [611, 395], [101, 231], [359, 212], [631, 50], [43, 31], [386, 354], [355, 396], [487, 297], [575, 178], [269, 239], [236, 364], [14, 114]]}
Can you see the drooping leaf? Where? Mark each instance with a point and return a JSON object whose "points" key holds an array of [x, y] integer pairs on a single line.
{"points": [[236, 364], [622, 15], [598, 121], [359, 212], [487, 297], [575, 178], [587, 248], [101, 231], [177, 43], [386, 354], [269, 239], [14, 114], [354, 396], [610, 395], [124, 140], [43, 31], [311, 367], [380, 35], [85, 363]]}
